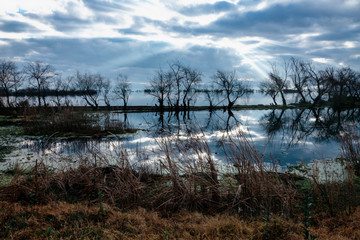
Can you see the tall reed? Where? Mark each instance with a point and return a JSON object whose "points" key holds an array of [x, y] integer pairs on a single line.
{"points": [[350, 146], [261, 189]]}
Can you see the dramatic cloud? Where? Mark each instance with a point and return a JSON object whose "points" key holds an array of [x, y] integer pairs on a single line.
{"points": [[137, 37]]}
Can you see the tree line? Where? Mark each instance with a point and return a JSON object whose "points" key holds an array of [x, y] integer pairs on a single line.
{"points": [[178, 85], [40, 80], [337, 86]]}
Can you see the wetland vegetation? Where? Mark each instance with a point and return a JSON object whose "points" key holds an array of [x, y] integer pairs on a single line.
{"points": [[185, 184]]}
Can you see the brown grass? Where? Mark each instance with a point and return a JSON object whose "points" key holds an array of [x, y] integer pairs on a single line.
{"points": [[350, 146], [261, 190], [69, 123], [60, 220], [252, 200]]}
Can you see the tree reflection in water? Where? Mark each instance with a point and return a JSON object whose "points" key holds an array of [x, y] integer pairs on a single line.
{"points": [[282, 130], [322, 124]]}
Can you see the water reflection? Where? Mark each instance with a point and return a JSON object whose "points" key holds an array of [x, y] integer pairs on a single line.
{"points": [[290, 135], [322, 124]]}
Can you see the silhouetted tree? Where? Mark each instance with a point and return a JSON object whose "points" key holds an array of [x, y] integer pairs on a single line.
{"points": [[230, 85], [279, 80], [269, 89], [160, 87], [353, 83], [91, 87], [346, 82], [319, 83], [177, 76], [58, 88], [192, 78], [67, 87], [122, 88], [10, 79], [39, 75], [299, 77], [212, 95], [106, 92]]}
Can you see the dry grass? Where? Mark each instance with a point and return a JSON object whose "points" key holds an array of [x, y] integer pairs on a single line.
{"points": [[69, 123], [190, 175], [261, 190], [59, 220], [96, 200], [188, 179], [93, 182], [350, 146]]}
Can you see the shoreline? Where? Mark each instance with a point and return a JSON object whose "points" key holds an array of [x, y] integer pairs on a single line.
{"points": [[173, 109]]}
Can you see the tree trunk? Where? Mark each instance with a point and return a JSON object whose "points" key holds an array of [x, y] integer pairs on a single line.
{"points": [[301, 94], [125, 105], [161, 105], [283, 98], [39, 99], [231, 104], [8, 97], [274, 99]]}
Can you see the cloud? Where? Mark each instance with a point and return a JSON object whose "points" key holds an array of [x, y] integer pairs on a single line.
{"points": [[109, 56], [342, 33], [205, 9], [106, 6], [16, 27], [107, 36], [322, 60], [279, 20]]}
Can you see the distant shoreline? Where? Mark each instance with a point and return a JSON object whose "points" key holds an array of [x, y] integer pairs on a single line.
{"points": [[132, 109], [194, 108]]}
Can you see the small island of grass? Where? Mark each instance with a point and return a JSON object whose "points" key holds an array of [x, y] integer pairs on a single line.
{"points": [[68, 123]]}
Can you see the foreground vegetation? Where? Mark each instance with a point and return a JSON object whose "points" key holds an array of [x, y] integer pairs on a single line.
{"points": [[61, 220], [183, 194]]}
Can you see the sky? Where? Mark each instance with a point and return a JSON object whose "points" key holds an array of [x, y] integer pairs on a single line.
{"points": [[137, 38]]}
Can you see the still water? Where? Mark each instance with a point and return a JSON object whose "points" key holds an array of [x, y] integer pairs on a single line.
{"points": [[289, 136]]}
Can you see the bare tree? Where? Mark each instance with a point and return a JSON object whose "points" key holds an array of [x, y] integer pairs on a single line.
{"points": [[192, 78], [10, 79], [40, 75], [106, 92], [160, 87], [122, 88], [171, 89], [67, 86], [279, 80], [212, 96], [91, 86], [176, 74], [230, 85], [269, 89], [352, 83], [299, 76], [59, 90], [346, 81], [319, 82]]}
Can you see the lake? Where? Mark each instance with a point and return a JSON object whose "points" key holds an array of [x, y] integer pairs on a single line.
{"points": [[289, 136]]}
